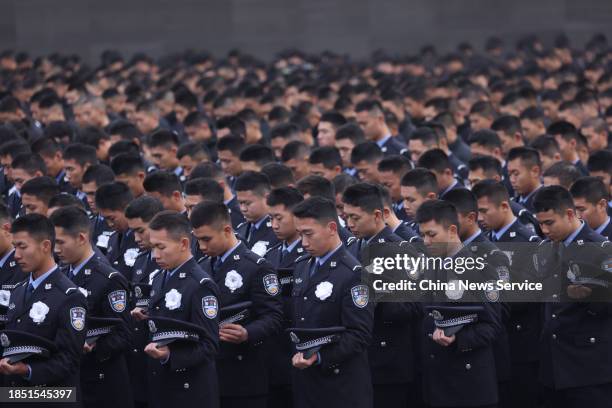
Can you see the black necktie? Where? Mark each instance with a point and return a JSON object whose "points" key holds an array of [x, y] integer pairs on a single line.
{"points": [[166, 277], [28, 292]]}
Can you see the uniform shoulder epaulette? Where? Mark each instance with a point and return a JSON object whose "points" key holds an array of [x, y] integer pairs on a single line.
{"points": [[253, 257], [351, 240], [153, 274], [534, 238], [302, 258], [277, 245], [240, 225], [142, 253], [72, 289]]}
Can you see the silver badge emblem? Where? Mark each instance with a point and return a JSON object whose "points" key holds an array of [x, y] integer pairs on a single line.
{"points": [[294, 338], [152, 327], [4, 340]]}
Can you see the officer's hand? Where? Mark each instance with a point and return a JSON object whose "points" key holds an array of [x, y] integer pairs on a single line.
{"points": [[233, 333], [139, 314], [160, 353], [88, 348], [578, 291], [13, 369], [441, 339], [300, 362]]}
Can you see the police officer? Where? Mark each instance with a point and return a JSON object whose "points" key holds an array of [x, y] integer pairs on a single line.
{"points": [[525, 321], [10, 274], [282, 256], [104, 366], [256, 232], [466, 358], [242, 276], [391, 351], [139, 214], [47, 304], [181, 374], [327, 292], [111, 201], [575, 369]]}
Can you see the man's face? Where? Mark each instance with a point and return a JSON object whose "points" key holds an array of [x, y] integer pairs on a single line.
{"points": [[29, 252], [416, 149], [199, 133], [90, 193], [167, 201], [84, 115], [146, 122], [277, 144], [369, 124], [283, 222], [479, 122], [412, 200], [521, 177], [596, 140], [532, 129], [141, 232], [490, 215], [252, 206], [164, 157], [478, 175], [392, 182], [191, 201], [320, 170], [69, 248], [436, 237], [250, 166], [299, 167], [6, 239], [133, 181], [555, 226], [74, 173], [188, 163], [230, 164], [33, 205], [361, 223], [368, 172], [315, 236], [589, 212], [181, 112], [6, 161], [116, 219], [213, 239], [20, 177], [345, 146], [167, 251], [604, 176], [326, 134]]}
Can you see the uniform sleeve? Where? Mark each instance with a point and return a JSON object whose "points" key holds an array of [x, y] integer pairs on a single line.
{"points": [[482, 333], [267, 306], [69, 341], [120, 339], [358, 321], [204, 313]]}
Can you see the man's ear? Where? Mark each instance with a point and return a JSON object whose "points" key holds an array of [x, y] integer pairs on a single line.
{"points": [[177, 195], [141, 175], [431, 196]]}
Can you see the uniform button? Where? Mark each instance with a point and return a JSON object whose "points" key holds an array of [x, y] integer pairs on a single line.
{"points": [[305, 297], [383, 344], [239, 358], [156, 307], [135, 328], [18, 320], [101, 376], [430, 334], [301, 318], [554, 336], [555, 296], [555, 276], [554, 316], [592, 340], [135, 350], [518, 327], [186, 385], [468, 366], [336, 371]]}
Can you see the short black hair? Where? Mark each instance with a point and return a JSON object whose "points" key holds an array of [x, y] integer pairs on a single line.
{"points": [[46, 147], [285, 131], [440, 211], [487, 138], [328, 156], [126, 130], [508, 124], [592, 189], [483, 108], [528, 156], [92, 135], [81, 153], [206, 188], [287, 196], [257, 153], [231, 143], [366, 196], [422, 179], [295, 149], [14, 148], [352, 132], [600, 161], [5, 215], [127, 164], [369, 105], [555, 198], [37, 226], [64, 200], [43, 188], [546, 145], [396, 164], [163, 138], [144, 207], [113, 196], [194, 150], [207, 170], [174, 223], [488, 164], [316, 186], [333, 117], [122, 147], [463, 199], [209, 213], [99, 174], [72, 219], [369, 152], [278, 174], [564, 129], [566, 172], [342, 181], [435, 160], [493, 190], [162, 182], [321, 209], [253, 181], [29, 162]]}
